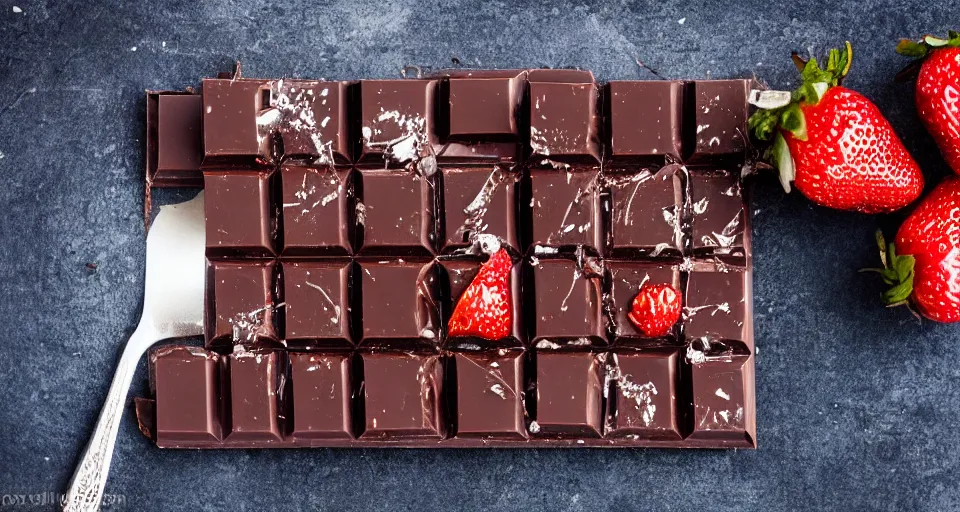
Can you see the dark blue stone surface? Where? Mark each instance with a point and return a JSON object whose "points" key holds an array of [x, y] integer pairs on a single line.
{"points": [[857, 405]]}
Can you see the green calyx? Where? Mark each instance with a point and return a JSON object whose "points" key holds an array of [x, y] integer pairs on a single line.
{"points": [[897, 271], [769, 125], [920, 49]]}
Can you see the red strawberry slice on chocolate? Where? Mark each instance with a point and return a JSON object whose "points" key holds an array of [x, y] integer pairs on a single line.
{"points": [[485, 310], [655, 309]]}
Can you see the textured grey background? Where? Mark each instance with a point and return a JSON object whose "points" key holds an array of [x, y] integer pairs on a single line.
{"points": [[857, 405]]}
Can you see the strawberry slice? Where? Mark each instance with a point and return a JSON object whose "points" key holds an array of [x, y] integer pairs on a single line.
{"points": [[655, 309], [485, 309]]}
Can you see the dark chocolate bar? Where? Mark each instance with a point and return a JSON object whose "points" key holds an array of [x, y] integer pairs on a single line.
{"points": [[453, 261]]}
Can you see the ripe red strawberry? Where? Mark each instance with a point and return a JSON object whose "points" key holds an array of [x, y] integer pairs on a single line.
{"points": [[938, 90], [485, 309], [836, 145], [655, 309], [923, 263]]}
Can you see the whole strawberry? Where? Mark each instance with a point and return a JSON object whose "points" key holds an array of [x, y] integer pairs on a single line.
{"points": [[485, 308], [938, 90], [923, 264], [655, 309], [835, 145]]}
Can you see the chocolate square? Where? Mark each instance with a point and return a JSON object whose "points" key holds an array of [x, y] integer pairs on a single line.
{"points": [[481, 106], [231, 124], [569, 394], [717, 307], [179, 136], [240, 220], [317, 303], [644, 119], [719, 222], [240, 303], [723, 402], [187, 386], [402, 396], [720, 118], [566, 210], [255, 390], [567, 305], [317, 211], [564, 123], [321, 388], [645, 216], [479, 201], [396, 214], [397, 120], [642, 401], [456, 276], [313, 120], [398, 304], [626, 279], [490, 395]]}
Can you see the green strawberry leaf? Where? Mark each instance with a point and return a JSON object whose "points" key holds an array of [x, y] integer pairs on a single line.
{"points": [[904, 266], [913, 49], [897, 272], [899, 293], [793, 121], [763, 124]]}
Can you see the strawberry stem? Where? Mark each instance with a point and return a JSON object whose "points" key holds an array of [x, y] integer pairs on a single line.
{"points": [[897, 271]]}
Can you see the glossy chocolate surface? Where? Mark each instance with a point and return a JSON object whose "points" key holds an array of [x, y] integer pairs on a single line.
{"points": [[483, 116], [241, 303], [567, 307], [399, 304], [718, 215], [311, 120], [321, 387], [187, 382], [723, 401], [402, 396], [345, 220], [181, 148], [397, 120], [566, 211], [564, 123], [231, 132], [717, 305], [646, 218], [490, 395], [642, 399], [240, 218], [317, 211], [645, 120], [254, 407], [179, 135], [479, 200], [316, 297], [396, 214], [720, 118], [569, 394]]}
